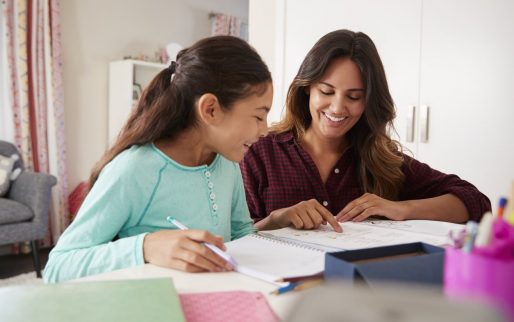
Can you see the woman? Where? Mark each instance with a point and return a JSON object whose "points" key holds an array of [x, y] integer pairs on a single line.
{"points": [[331, 155]]}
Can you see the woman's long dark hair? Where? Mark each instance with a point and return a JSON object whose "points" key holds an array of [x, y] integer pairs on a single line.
{"points": [[225, 66], [379, 157]]}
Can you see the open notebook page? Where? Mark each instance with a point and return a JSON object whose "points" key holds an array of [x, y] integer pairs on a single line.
{"points": [[371, 233], [271, 259]]}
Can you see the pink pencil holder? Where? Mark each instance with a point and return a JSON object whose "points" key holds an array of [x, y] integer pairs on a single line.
{"points": [[468, 275]]}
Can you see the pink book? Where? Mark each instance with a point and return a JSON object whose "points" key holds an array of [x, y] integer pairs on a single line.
{"points": [[227, 306]]}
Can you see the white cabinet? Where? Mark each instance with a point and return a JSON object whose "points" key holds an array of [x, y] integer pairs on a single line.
{"points": [[452, 56], [467, 80], [127, 78]]}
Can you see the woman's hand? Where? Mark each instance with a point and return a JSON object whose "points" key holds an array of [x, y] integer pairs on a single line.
{"points": [[372, 205], [308, 214], [183, 250]]}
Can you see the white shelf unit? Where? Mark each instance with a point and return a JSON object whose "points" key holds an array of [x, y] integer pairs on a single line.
{"points": [[123, 75]]}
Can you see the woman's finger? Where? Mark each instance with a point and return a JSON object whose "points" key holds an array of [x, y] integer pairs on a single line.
{"points": [[329, 218]]}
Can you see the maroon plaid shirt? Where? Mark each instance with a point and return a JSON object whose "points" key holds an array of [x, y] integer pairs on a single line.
{"points": [[279, 173]]}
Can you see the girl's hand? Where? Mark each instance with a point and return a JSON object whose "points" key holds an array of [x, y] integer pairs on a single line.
{"points": [[369, 205], [304, 215], [183, 250]]}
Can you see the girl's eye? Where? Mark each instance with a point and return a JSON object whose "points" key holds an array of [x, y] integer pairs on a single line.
{"points": [[354, 98], [260, 119]]}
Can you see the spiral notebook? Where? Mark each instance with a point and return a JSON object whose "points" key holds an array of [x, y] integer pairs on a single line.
{"points": [[287, 253], [370, 233], [272, 259]]}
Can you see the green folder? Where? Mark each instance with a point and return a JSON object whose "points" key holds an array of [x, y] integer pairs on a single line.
{"points": [[128, 300]]}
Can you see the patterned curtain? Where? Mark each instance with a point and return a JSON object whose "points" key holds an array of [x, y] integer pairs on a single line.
{"points": [[32, 48], [228, 25]]}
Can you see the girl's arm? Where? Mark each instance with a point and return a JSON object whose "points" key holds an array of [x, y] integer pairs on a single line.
{"points": [[241, 223], [87, 246]]}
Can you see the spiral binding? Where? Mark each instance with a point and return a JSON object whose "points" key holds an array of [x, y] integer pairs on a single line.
{"points": [[274, 239]]}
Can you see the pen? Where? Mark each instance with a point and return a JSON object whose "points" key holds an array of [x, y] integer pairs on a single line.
{"points": [[471, 234], [297, 286], [215, 249], [501, 207], [484, 230], [301, 278]]}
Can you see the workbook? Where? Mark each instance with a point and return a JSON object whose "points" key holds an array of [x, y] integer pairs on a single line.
{"points": [[127, 300], [369, 233], [274, 255], [272, 259]]}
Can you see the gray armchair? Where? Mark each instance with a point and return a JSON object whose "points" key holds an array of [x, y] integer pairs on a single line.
{"points": [[24, 210]]}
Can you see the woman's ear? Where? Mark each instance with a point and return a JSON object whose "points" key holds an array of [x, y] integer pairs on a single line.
{"points": [[209, 109]]}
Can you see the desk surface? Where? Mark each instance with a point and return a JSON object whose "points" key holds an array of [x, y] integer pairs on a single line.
{"points": [[230, 281], [326, 303], [205, 282]]}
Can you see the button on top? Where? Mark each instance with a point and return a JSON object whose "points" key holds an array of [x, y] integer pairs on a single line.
{"points": [[325, 203], [207, 174], [336, 170]]}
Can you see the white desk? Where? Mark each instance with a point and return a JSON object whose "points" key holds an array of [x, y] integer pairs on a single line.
{"points": [[331, 302], [205, 282], [211, 282]]}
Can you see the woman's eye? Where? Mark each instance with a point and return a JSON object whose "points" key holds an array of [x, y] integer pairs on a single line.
{"points": [[260, 119], [326, 93], [354, 98]]}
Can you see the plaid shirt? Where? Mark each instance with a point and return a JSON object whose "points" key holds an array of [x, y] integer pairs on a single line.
{"points": [[279, 173]]}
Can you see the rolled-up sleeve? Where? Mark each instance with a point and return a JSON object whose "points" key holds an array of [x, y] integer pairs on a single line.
{"points": [[421, 181]]}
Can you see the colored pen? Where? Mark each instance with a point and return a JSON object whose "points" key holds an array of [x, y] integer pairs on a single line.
{"points": [[297, 286], [471, 234], [215, 249], [301, 278], [484, 230], [501, 207]]}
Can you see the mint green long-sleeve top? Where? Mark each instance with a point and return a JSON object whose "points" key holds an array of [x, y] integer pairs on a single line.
{"points": [[133, 195]]}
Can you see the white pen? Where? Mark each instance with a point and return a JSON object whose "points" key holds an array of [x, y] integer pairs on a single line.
{"points": [[215, 249]]}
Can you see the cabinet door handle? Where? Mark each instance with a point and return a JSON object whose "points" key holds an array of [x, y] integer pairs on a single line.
{"points": [[423, 122], [411, 113]]}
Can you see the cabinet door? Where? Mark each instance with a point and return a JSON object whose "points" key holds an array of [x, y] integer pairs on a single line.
{"points": [[394, 27], [467, 78]]}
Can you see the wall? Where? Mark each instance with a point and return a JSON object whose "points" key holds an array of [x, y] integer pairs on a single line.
{"points": [[265, 33], [95, 32]]}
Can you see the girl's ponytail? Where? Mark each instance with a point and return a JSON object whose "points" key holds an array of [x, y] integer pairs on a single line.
{"points": [[225, 66]]}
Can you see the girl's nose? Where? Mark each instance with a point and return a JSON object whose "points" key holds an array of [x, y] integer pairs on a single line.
{"points": [[263, 130]]}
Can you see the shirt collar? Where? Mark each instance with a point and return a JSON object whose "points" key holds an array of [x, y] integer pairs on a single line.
{"points": [[284, 137]]}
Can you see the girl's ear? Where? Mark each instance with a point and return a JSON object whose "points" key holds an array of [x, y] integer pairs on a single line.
{"points": [[209, 109]]}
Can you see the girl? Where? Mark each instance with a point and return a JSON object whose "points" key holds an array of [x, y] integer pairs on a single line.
{"points": [[332, 156], [174, 156]]}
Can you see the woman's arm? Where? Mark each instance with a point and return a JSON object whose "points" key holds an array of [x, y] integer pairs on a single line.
{"points": [[308, 214], [444, 208], [426, 194]]}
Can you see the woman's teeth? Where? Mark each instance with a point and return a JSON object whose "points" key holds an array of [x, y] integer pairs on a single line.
{"points": [[334, 119]]}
